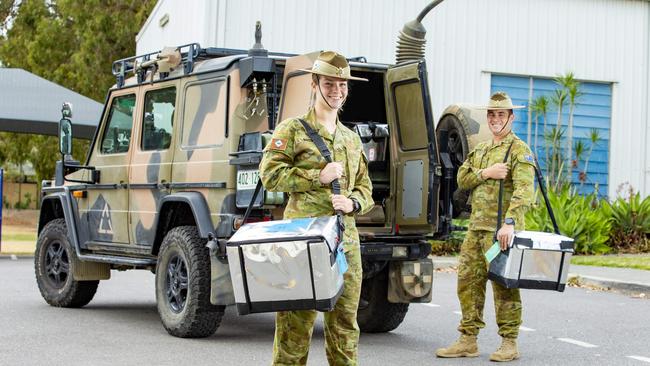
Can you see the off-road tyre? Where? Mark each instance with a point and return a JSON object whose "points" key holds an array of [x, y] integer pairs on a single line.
{"points": [[458, 148], [54, 261], [376, 314], [183, 285]]}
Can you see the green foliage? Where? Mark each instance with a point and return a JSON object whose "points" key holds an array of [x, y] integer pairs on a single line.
{"points": [[583, 218], [24, 203], [630, 228], [71, 42], [451, 246]]}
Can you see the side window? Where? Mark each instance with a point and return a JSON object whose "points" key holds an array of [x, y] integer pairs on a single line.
{"points": [[117, 134], [204, 114], [159, 107]]}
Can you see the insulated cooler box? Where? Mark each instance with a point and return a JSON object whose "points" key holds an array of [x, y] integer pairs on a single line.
{"points": [[535, 260], [286, 265]]}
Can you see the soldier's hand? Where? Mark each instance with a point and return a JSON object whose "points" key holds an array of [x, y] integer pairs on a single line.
{"points": [[505, 235], [496, 171], [331, 171], [342, 203]]}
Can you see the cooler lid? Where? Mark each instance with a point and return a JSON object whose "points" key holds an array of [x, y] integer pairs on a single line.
{"points": [[293, 229], [542, 240]]}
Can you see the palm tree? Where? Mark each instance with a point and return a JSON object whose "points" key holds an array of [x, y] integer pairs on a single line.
{"points": [[594, 137], [539, 106], [572, 88], [558, 99]]}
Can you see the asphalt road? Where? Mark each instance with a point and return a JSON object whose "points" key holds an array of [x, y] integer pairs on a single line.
{"points": [[121, 327]]}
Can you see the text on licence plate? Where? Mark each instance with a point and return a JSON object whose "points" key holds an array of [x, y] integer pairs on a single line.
{"points": [[247, 179]]}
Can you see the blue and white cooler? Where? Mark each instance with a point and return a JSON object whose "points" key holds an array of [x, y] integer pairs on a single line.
{"points": [[535, 260], [285, 265]]}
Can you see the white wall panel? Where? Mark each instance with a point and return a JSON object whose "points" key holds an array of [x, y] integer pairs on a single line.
{"points": [[599, 40]]}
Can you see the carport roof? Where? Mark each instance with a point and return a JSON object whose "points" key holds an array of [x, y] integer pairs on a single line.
{"points": [[31, 104]]}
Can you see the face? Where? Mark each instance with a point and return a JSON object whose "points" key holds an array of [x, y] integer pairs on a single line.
{"points": [[334, 90], [497, 119]]}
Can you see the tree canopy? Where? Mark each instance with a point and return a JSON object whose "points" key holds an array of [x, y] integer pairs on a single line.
{"points": [[72, 43]]}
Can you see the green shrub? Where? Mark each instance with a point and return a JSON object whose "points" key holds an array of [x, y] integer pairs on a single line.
{"points": [[451, 246], [630, 224], [583, 218]]}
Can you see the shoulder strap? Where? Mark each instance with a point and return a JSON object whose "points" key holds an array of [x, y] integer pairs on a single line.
{"points": [[542, 188], [500, 210], [322, 147]]}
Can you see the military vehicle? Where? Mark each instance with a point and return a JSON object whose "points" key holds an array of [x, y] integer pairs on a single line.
{"points": [[173, 166]]}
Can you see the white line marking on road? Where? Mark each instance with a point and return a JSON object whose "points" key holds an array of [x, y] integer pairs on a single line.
{"points": [[640, 358], [13, 257], [577, 343], [431, 305], [458, 312], [526, 329]]}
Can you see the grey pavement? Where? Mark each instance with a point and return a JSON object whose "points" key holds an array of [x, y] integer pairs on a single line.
{"points": [[625, 280]]}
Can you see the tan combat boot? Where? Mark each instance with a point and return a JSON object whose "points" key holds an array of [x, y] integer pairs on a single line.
{"points": [[506, 352], [465, 346]]}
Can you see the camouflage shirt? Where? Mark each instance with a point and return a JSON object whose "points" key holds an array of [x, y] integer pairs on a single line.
{"points": [[292, 164], [518, 186]]}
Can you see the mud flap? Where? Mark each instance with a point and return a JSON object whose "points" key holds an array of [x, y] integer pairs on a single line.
{"points": [[410, 281], [221, 292], [90, 271]]}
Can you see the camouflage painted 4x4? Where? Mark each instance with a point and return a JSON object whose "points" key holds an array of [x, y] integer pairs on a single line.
{"points": [[173, 166]]}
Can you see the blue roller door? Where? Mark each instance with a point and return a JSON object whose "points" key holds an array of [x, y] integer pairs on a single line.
{"points": [[592, 111]]}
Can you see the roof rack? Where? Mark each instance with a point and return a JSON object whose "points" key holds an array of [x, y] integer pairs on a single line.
{"points": [[139, 65], [188, 55]]}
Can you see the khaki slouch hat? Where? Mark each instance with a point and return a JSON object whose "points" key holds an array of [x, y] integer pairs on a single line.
{"points": [[500, 100], [332, 64]]}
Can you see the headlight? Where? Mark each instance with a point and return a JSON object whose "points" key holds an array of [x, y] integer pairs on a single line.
{"points": [[400, 252]]}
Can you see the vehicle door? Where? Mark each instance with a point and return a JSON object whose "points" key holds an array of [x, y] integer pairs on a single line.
{"points": [[413, 147], [109, 198], [150, 168]]}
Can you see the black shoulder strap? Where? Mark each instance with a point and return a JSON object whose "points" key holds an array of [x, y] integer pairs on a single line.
{"points": [[322, 147], [542, 188], [500, 210]]}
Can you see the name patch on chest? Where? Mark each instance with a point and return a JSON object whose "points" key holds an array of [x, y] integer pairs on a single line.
{"points": [[278, 144]]}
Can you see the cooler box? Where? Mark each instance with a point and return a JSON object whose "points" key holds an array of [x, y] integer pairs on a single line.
{"points": [[286, 265], [536, 260]]}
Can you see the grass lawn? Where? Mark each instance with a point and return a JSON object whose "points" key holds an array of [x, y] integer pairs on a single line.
{"points": [[18, 233], [641, 261]]}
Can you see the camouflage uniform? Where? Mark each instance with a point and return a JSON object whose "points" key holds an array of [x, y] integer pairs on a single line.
{"points": [[292, 163], [518, 193]]}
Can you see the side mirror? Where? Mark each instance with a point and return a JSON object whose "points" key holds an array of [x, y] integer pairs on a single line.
{"points": [[65, 136], [65, 130]]}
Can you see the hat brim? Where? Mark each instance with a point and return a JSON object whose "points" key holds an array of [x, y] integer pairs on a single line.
{"points": [[334, 76], [485, 107]]}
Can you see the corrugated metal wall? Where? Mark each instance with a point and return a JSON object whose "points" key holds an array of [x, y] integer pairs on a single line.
{"points": [[592, 111], [468, 40]]}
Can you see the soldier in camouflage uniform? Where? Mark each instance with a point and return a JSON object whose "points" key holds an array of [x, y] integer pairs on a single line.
{"points": [[292, 163], [481, 173]]}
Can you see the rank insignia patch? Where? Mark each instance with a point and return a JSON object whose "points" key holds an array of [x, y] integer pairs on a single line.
{"points": [[278, 144]]}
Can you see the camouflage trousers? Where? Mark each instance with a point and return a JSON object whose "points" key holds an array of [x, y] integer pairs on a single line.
{"points": [[293, 329], [472, 279]]}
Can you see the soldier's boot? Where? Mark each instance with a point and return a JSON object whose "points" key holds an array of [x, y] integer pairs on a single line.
{"points": [[465, 346], [506, 352]]}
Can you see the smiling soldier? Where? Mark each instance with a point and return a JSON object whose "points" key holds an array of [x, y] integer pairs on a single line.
{"points": [[293, 163], [481, 173]]}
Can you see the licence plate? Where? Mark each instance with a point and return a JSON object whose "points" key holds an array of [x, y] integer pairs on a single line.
{"points": [[247, 179]]}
